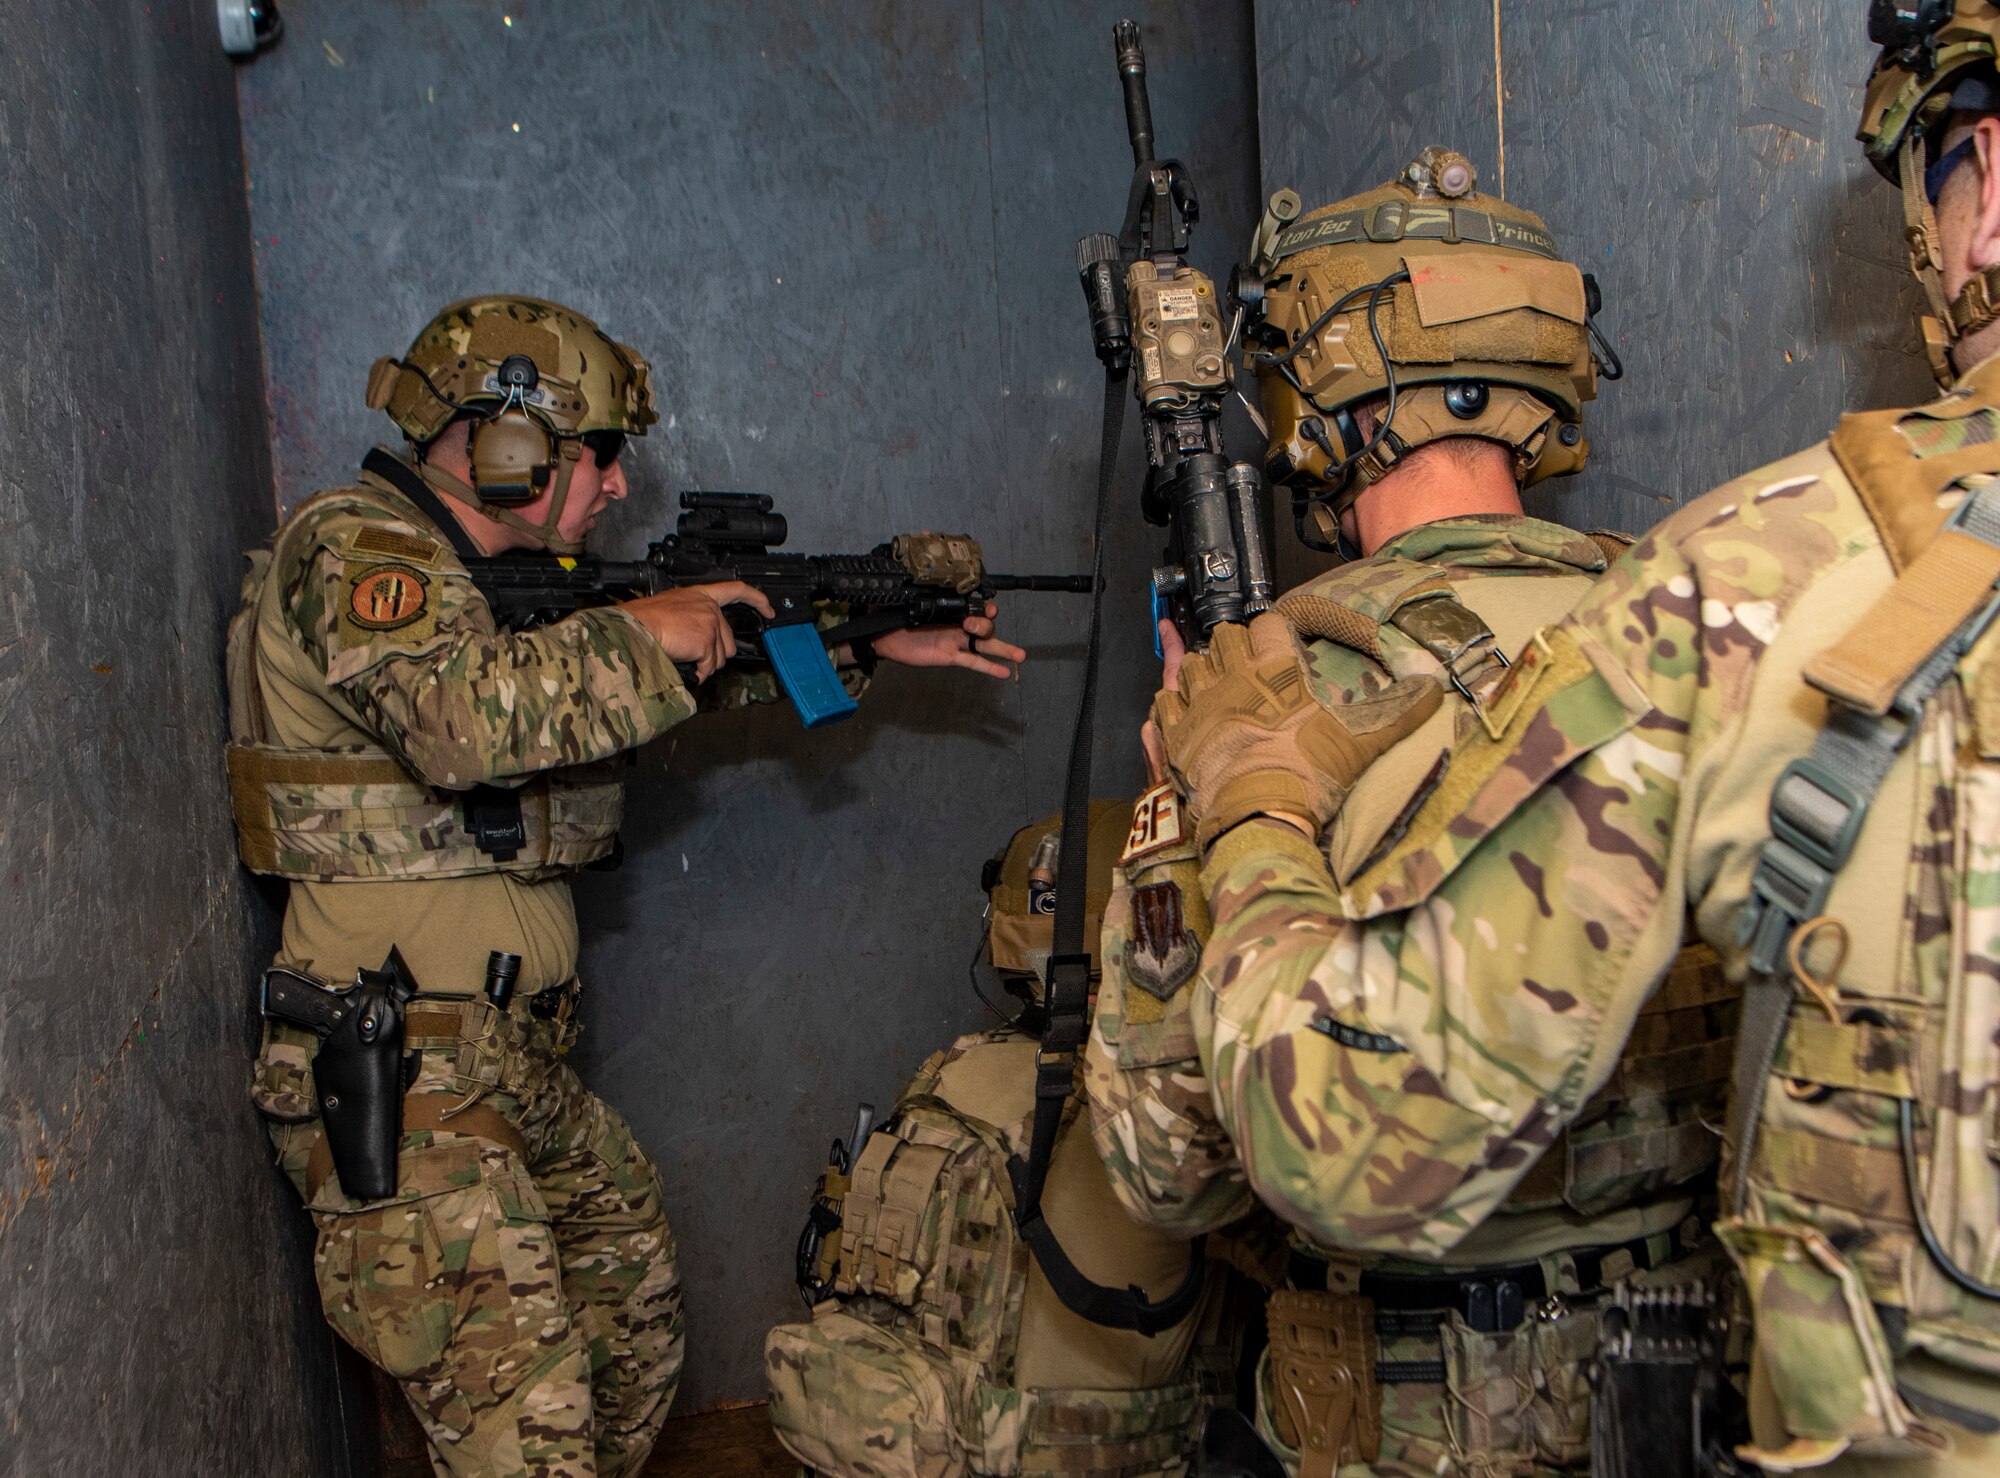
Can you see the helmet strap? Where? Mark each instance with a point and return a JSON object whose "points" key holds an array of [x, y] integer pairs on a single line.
{"points": [[1977, 303], [569, 451]]}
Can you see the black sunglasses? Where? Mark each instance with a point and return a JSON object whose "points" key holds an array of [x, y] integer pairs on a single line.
{"points": [[605, 444]]}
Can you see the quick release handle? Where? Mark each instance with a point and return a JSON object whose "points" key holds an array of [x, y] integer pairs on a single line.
{"points": [[1132, 72]]}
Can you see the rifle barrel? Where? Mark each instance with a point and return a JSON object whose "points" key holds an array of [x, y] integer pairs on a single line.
{"points": [[1057, 584], [1132, 72]]}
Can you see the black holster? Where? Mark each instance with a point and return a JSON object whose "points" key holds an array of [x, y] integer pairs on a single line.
{"points": [[358, 1074]]}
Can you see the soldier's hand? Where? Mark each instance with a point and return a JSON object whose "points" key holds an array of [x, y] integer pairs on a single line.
{"points": [[971, 645], [689, 622], [1245, 736]]}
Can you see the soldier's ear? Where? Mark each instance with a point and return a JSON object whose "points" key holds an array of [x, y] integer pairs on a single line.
{"points": [[1983, 247]]}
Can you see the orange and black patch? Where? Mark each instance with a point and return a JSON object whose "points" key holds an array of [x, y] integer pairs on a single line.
{"points": [[385, 597]]}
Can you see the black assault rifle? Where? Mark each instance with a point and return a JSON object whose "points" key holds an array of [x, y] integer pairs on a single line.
{"points": [[1147, 304], [909, 582]]}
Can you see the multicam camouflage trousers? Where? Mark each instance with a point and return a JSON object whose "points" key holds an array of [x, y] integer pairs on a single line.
{"points": [[530, 1309]]}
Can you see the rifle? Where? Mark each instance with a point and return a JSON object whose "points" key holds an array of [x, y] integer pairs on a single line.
{"points": [[1145, 298], [914, 580]]}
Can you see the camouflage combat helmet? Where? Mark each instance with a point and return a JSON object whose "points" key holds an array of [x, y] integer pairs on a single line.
{"points": [[1484, 325], [540, 380], [1937, 58], [1021, 899]]}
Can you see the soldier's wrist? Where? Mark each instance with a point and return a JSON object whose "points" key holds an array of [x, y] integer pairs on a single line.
{"points": [[1258, 840], [1270, 794]]}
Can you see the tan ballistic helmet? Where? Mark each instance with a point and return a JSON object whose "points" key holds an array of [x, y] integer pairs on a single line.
{"points": [[1485, 327], [1020, 891], [1937, 58], [539, 377]]}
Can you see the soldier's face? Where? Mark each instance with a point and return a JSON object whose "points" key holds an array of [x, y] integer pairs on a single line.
{"points": [[591, 490]]}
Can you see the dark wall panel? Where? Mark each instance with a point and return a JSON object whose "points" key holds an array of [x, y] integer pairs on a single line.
{"points": [[150, 1278], [1697, 155], [844, 234]]}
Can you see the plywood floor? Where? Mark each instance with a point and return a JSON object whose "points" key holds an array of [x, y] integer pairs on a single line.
{"points": [[735, 1442]]}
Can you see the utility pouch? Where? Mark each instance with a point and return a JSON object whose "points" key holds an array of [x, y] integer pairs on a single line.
{"points": [[1653, 1347], [358, 1074], [1322, 1362], [1822, 1378]]}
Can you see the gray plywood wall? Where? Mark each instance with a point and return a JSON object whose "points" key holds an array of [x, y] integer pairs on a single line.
{"points": [[1697, 155], [155, 1304], [844, 234]]}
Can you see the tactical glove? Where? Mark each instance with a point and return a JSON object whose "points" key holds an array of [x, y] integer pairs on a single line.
{"points": [[1245, 736]]}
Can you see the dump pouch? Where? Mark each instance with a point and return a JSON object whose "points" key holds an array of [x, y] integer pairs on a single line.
{"points": [[1822, 1377], [358, 1073]]}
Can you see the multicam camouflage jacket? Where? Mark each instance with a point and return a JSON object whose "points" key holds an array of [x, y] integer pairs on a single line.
{"points": [[1391, 1053], [1169, 1158], [369, 686]]}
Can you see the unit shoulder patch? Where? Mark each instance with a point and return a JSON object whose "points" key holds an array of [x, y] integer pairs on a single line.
{"points": [[1161, 955], [387, 597], [1156, 823]]}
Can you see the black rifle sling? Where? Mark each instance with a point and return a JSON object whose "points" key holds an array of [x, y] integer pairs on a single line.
{"points": [[397, 473], [1066, 986]]}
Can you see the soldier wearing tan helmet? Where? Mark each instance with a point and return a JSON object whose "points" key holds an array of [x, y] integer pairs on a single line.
{"points": [[1423, 353], [428, 782], [1775, 723], [937, 1342]]}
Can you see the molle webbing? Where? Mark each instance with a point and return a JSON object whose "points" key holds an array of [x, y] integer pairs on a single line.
{"points": [[1648, 1128], [316, 816], [1820, 802], [1396, 220]]}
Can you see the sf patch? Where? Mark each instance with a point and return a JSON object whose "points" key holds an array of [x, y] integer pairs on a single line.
{"points": [[1161, 954], [387, 597], [1156, 823]]}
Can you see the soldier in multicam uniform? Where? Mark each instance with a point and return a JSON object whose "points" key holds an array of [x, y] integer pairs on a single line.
{"points": [[1408, 1358], [1778, 719], [938, 1345], [520, 1282]]}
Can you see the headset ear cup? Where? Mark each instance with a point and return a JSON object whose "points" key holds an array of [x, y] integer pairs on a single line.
{"points": [[511, 458]]}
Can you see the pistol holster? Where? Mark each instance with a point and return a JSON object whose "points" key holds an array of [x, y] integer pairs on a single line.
{"points": [[358, 1074]]}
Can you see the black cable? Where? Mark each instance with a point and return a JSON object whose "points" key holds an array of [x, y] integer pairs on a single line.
{"points": [[1339, 472], [1907, 1132], [1609, 365], [1013, 1021]]}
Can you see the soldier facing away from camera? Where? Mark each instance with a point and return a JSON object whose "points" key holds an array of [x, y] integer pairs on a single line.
{"points": [[1776, 720], [1414, 380]]}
